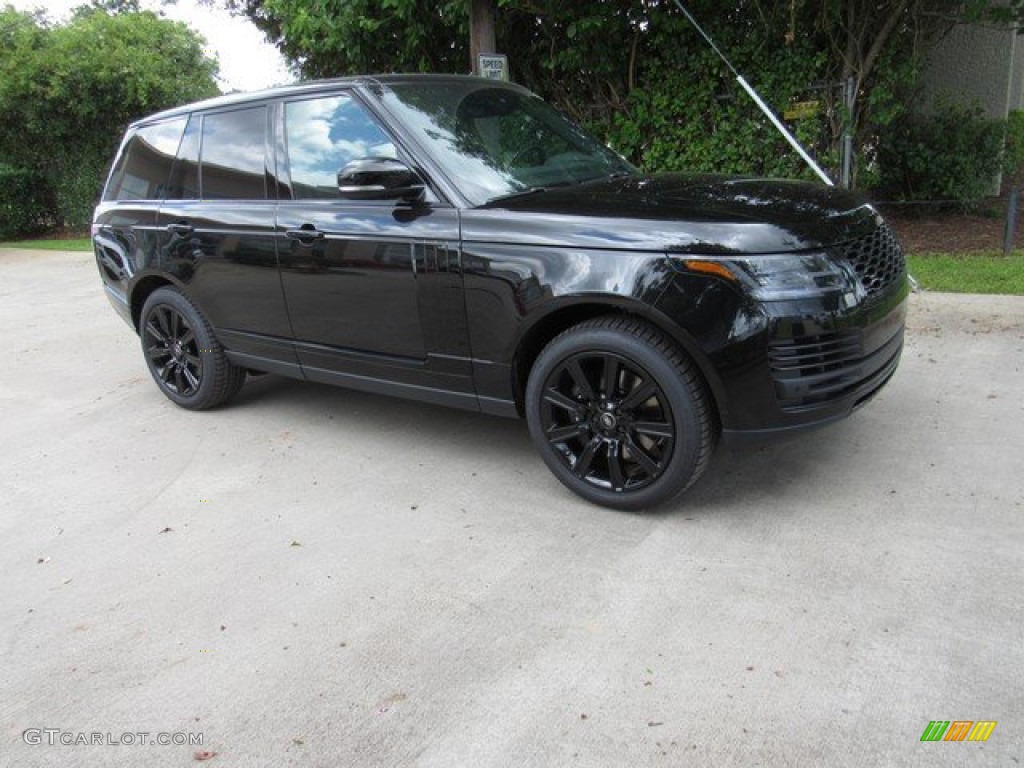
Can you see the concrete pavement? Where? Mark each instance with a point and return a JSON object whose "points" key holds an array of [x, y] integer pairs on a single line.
{"points": [[317, 577]]}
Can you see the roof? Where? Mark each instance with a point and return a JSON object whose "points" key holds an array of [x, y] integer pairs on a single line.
{"points": [[307, 86]]}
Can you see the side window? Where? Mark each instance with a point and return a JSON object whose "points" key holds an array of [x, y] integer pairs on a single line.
{"points": [[143, 169], [185, 174], [232, 158], [323, 136]]}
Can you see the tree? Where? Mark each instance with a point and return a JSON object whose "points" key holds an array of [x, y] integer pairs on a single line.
{"points": [[68, 91], [636, 70], [361, 36]]}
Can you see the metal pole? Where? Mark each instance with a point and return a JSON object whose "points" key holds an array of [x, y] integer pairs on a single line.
{"points": [[850, 99], [1012, 208], [784, 131], [757, 100]]}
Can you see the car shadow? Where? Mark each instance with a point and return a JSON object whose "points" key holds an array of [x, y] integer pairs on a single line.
{"points": [[740, 480]]}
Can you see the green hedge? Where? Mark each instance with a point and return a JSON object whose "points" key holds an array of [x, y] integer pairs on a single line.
{"points": [[951, 155], [690, 115], [27, 203]]}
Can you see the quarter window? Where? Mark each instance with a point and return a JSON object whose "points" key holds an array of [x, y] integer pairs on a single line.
{"points": [[233, 165], [144, 167], [324, 135], [185, 174]]}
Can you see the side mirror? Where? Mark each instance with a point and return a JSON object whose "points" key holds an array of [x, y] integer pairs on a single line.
{"points": [[379, 178]]}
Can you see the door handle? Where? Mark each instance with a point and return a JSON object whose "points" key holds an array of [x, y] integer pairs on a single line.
{"points": [[180, 228], [307, 234]]}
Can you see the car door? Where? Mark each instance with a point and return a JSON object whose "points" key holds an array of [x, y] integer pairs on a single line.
{"points": [[373, 287], [217, 227]]}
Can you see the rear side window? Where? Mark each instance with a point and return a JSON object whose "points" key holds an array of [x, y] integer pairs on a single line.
{"points": [[233, 155], [143, 168]]}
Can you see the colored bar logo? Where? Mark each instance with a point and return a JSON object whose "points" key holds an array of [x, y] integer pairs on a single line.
{"points": [[958, 730]]}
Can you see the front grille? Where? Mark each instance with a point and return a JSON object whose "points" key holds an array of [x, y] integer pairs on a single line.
{"points": [[814, 369], [877, 259]]}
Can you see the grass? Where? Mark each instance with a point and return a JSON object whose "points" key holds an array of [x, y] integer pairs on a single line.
{"points": [[982, 272], [69, 244]]}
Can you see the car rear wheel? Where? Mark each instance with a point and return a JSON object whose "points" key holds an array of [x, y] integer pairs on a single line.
{"points": [[184, 357], [619, 413]]}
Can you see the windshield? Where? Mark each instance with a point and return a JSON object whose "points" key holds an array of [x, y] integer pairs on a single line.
{"points": [[497, 140]]}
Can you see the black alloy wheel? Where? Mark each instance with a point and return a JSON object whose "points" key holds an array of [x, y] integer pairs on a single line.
{"points": [[172, 351], [619, 414], [609, 419], [182, 353]]}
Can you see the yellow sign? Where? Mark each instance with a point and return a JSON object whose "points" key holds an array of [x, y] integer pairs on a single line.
{"points": [[799, 110]]}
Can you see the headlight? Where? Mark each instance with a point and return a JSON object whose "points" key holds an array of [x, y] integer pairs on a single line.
{"points": [[784, 276]]}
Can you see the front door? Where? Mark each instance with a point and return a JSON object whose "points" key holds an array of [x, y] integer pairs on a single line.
{"points": [[373, 288]]}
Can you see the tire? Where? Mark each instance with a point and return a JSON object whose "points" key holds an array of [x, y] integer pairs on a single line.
{"points": [[619, 414], [185, 359]]}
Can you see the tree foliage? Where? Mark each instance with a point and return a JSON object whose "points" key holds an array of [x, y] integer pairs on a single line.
{"points": [[637, 72], [67, 91], [339, 37], [950, 156]]}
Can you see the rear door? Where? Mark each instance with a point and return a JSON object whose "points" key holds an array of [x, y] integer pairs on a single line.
{"points": [[217, 229], [374, 287]]}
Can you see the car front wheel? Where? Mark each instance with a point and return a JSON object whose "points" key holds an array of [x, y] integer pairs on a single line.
{"points": [[619, 413]]}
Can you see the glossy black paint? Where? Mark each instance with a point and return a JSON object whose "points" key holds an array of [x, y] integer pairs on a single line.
{"points": [[437, 300], [224, 252], [675, 213]]}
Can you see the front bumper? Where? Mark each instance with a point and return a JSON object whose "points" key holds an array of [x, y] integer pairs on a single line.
{"points": [[778, 368]]}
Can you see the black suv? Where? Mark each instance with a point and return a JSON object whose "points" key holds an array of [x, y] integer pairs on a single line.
{"points": [[457, 240]]}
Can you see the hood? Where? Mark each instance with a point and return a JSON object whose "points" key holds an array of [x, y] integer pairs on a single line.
{"points": [[679, 213]]}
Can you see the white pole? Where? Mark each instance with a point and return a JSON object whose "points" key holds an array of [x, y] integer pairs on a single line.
{"points": [[757, 99], [783, 130]]}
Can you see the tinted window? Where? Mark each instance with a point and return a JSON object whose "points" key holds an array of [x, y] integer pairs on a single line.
{"points": [[144, 167], [184, 183], [323, 136], [233, 164], [497, 140]]}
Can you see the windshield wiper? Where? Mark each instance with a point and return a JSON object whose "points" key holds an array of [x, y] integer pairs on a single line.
{"points": [[518, 193], [609, 176], [528, 191]]}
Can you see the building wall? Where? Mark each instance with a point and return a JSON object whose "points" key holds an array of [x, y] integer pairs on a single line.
{"points": [[976, 65], [1017, 76]]}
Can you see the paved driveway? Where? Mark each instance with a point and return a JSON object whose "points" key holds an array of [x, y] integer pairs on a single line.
{"points": [[315, 577]]}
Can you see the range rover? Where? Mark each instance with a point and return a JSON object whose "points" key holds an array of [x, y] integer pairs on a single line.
{"points": [[459, 241]]}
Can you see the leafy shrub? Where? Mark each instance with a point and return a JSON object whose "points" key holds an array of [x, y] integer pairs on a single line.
{"points": [[68, 90], [80, 187], [951, 155], [1013, 161], [690, 114], [27, 204]]}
